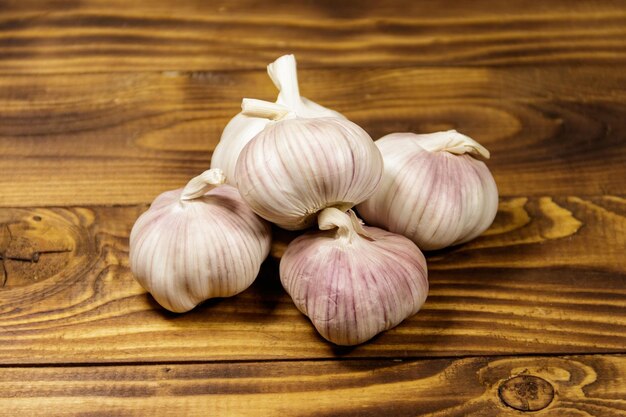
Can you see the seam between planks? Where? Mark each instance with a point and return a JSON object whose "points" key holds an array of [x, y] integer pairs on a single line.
{"points": [[327, 359]]}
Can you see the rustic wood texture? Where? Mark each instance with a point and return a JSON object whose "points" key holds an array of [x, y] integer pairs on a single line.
{"points": [[124, 138], [442, 387], [78, 36], [106, 103], [543, 280]]}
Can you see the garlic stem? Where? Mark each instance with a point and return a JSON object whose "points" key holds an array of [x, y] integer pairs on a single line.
{"points": [[265, 109], [198, 186], [453, 142], [284, 75], [347, 224]]}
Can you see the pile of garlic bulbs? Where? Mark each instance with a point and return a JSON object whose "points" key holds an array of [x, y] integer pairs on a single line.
{"points": [[295, 163]]}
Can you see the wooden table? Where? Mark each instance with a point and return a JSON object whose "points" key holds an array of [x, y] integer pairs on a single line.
{"points": [[106, 103]]}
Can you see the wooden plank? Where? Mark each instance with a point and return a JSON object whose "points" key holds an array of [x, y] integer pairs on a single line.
{"points": [[117, 35], [124, 138], [548, 277], [549, 386]]}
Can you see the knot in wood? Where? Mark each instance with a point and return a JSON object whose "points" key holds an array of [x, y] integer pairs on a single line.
{"points": [[526, 393], [33, 248]]}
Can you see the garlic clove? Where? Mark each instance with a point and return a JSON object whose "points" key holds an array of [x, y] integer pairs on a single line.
{"points": [[434, 189], [297, 167], [197, 243], [239, 131], [353, 281], [242, 128]]}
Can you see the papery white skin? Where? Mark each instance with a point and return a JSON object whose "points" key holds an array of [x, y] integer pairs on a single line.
{"points": [[434, 191], [242, 128], [296, 167], [353, 282], [197, 243]]}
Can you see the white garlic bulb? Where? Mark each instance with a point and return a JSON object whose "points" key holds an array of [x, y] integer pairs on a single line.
{"points": [[297, 167], [242, 128], [197, 243], [434, 191], [353, 282]]}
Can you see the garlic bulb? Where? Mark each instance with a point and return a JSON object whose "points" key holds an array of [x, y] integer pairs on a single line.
{"points": [[434, 191], [242, 128], [197, 243], [353, 282], [296, 167]]}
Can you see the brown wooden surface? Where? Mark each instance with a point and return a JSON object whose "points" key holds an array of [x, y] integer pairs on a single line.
{"points": [[105, 104], [124, 138], [442, 387], [61, 36], [530, 285]]}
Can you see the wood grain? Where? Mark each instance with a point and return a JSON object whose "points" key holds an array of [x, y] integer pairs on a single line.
{"points": [[78, 36], [548, 277], [106, 103], [124, 138], [582, 386]]}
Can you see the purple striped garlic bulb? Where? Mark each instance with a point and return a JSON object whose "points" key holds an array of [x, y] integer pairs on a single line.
{"points": [[242, 128], [435, 190], [297, 167], [353, 282], [197, 243]]}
